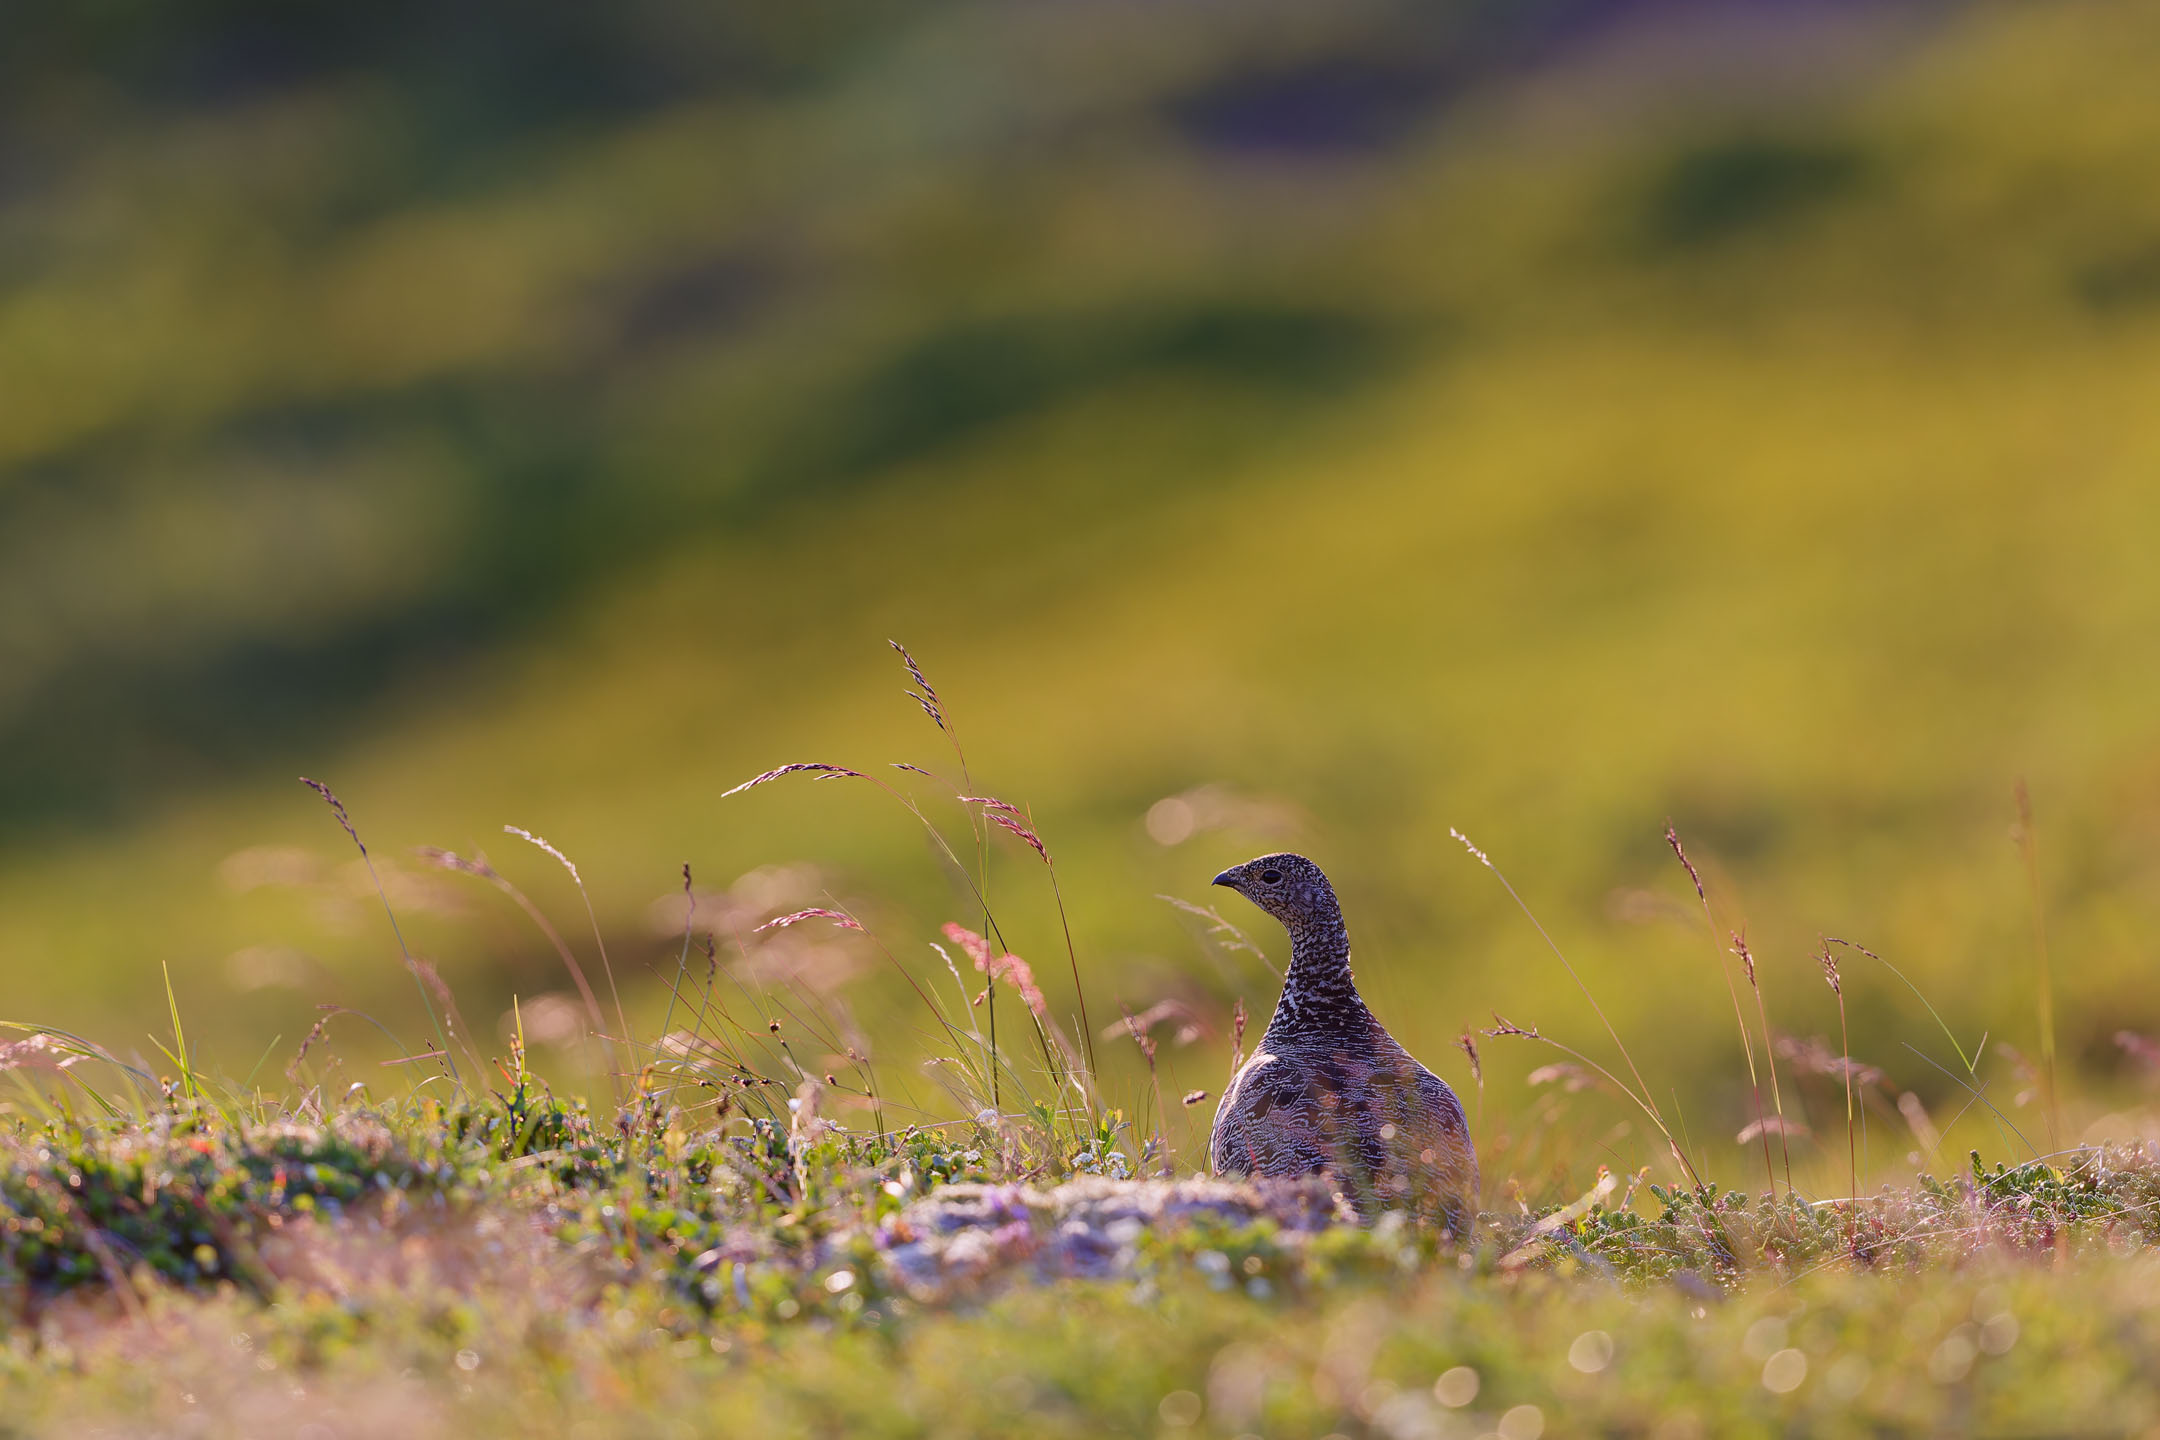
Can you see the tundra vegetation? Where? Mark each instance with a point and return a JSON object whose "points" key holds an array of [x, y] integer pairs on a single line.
{"points": [[744, 1223], [1281, 426]]}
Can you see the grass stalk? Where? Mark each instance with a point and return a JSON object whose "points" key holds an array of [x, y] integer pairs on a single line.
{"points": [[599, 940], [2028, 843], [412, 967], [1836, 982], [479, 868], [1146, 1044], [1642, 1094], [179, 1052], [1762, 1014], [1504, 1027], [1747, 1043]]}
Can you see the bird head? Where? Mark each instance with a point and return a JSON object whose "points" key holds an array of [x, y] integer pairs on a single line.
{"points": [[1289, 887]]}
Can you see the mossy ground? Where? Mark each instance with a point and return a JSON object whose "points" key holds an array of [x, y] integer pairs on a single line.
{"points": [[462, 1270]]}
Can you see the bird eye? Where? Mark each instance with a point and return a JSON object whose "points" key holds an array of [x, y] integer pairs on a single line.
{"points": [[1271, 877]]}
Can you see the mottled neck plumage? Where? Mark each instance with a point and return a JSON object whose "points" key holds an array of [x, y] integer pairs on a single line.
{"points": [[1318, 993]]}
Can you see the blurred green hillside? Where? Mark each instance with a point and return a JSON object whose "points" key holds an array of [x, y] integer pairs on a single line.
{"points": [[1344, 424]]}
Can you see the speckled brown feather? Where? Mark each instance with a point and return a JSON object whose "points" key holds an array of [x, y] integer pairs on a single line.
{"points": [[1328, 1090]]}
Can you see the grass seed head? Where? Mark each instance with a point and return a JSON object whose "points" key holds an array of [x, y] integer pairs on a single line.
{"points": [[923, 695], [337, 808], [815, 912], [442, 859], [800, 767], [1027, 836], [560, 858], [1672, 838]]}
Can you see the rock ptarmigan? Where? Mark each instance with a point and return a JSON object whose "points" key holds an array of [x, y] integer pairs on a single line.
{"points": [[1328, 1090]]}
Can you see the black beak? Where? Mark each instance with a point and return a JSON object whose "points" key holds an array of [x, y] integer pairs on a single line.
{"points": [[1228, 877]]}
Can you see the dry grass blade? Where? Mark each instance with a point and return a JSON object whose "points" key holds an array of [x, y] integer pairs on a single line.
{"points": [[816, 912], [38, 1052], [1027, 836], [1222, 932], [1672, 838], [1970, 1062], [1641, 1095], [1190, 1026], [800, 767], [1565, 1073], [479, 869], [1467, 1043], [1012, 818], [1008, 967], [1772, 1124], [2028, 842], [607, 966], [1835, 980], [1567, 1215], [337, 808], [924, 694], [1777, 1098], [307, 1042], [1146, 1045], [1747, 1042], [1503, 1027]]}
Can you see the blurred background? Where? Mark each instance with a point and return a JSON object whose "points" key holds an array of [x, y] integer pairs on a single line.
{"points": [[1270, 426]]}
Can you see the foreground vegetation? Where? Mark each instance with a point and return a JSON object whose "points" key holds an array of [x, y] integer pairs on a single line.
{"points": [[507, 1266], [736, 1239], [732, 1241], [761, 1226]]}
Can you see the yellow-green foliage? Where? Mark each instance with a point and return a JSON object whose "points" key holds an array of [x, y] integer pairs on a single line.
{"points": [[1762, 440]]}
